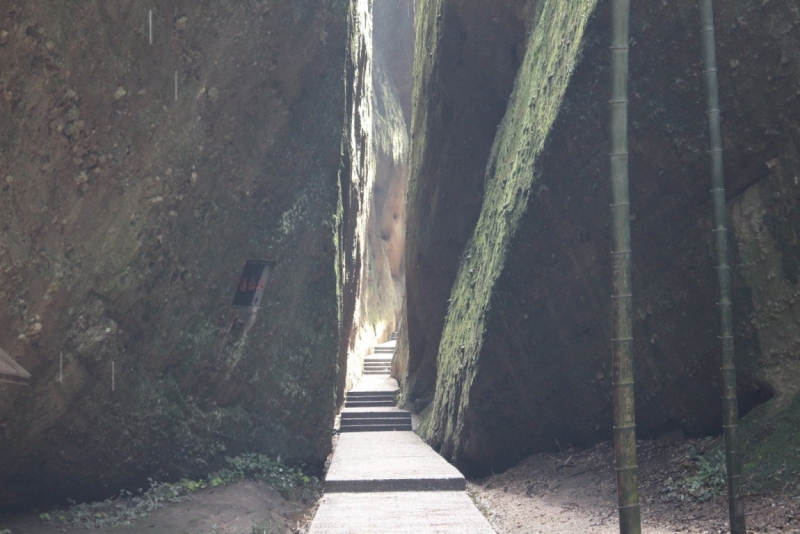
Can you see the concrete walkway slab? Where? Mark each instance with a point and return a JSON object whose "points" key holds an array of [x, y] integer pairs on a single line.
{"points": [[376, 383], [378, 357], [389, 461], [440, 512]]}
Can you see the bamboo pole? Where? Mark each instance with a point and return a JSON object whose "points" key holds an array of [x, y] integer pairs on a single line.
{"points": [[730, 409], [622, 300]]}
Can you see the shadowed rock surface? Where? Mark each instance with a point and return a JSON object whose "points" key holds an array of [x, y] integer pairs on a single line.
{"points": [[523, 364], [127, 216], [467, 54]]}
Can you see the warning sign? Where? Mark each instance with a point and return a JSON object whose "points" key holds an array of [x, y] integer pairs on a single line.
{"points": [[253, 283]]}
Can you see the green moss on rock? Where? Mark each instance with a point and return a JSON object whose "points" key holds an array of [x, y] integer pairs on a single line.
{"points": [[553, 49]]}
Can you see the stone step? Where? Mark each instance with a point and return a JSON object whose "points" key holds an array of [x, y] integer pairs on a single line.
{"points": [[383, 416], [377, 427], [384, 373], [376, 418], [368, 403], [360, 398], [389, 397], [352, 394], [371, 414], [375, 421]]}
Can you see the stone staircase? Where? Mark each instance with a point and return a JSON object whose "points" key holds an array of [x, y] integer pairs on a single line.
{"points": [[375, 421], [383, 477], [370, 407]]}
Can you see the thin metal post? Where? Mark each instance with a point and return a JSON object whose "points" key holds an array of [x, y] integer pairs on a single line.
{"points": [[622, 300], [730, 409]]}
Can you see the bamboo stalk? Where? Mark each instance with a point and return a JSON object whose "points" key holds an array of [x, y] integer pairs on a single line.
{"points": [[622, 300], [730, 409]]}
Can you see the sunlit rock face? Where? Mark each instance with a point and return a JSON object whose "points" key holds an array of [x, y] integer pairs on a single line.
{"points": [[382, 165], [523, 360], [136, 180]]}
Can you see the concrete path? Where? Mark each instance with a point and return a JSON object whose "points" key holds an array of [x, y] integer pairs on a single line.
{"points": [[376, 383], [392, 481], [389, 461], [399, 512]]}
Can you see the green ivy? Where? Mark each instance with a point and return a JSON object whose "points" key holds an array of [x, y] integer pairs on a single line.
{"points": [[706, 483]]}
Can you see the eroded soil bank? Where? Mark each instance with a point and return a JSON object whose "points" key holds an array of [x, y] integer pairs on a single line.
{"points": [[573, 491], [247, 507]]}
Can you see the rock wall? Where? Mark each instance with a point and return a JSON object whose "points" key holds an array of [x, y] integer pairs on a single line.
{"points": [[356, 182], [523, 364], [467, 54], [136, 179], [381, 187]]}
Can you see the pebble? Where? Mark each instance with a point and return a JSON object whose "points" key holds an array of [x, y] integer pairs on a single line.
{"points": [[120, 93], [9, 179], [3, 37], [82, 178]]}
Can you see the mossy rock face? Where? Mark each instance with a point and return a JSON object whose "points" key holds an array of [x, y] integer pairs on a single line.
{"points": [[129, 214], [455, 427], [771, 447], [524, 358], [467, 55]]}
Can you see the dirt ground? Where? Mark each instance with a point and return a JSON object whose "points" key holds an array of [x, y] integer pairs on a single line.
{"points": [[574, 492], [246, 507]]}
